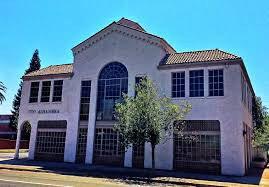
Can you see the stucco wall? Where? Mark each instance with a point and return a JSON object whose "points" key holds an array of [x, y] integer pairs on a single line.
{"points": [[142, 58]]}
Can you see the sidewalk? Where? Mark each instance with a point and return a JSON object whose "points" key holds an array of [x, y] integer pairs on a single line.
{"points": [[136, 176]]}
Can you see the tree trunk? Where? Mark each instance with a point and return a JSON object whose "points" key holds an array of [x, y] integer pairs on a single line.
{"points": [[153, 156]]}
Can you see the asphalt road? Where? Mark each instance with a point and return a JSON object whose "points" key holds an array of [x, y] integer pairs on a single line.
{"points": [[23, 178]]}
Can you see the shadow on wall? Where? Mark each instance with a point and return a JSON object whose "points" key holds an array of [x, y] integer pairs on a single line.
{"points": [[135, 176]]}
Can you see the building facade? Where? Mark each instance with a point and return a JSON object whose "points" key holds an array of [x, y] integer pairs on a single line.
{"points": [[5, 131], [71, 107]]}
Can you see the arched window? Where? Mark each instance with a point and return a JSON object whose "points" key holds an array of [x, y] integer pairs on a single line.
{"points": [[112, 82]]}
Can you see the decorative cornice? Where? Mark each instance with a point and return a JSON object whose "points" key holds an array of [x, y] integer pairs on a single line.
{"points": [[48, 76], [90, 42]]}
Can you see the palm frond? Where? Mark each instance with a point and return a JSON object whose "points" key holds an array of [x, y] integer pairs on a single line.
{"points": [[2, 90]]}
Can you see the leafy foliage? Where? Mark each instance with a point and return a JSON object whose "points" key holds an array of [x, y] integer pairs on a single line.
{"points": [[147, 117], [261, 124], [34, 65], [259, 112], [261, 135], [2, 90]]}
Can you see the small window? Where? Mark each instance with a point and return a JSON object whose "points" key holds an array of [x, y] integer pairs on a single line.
{"points": [[215, 82], [85, 100], [178, 84], [34, 92], [57, 91], [45, 94], [197, 83]]}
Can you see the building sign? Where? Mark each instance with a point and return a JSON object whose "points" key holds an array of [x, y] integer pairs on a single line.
{"points": [[48, 111]]}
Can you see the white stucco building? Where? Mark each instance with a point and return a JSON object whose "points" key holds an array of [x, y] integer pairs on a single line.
{"points": [[70, 106]]}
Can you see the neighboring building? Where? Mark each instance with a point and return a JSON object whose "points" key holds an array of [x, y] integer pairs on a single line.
{"points": [[71, 106], [5, 131]]}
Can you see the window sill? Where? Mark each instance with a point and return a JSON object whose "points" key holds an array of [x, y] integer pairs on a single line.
{"points": [[35, 103], [56, 102], [205, 97]]}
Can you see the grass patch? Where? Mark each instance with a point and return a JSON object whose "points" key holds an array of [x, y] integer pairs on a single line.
{"points": [[13, 150]]}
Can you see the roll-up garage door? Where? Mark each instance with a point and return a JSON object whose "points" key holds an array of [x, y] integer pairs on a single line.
{"points": [[50, 140], [199, 147]]}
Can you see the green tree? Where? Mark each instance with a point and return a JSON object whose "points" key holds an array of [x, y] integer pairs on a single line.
{"points": [[261, 135], [2, 90], [147, 117], [259, 112], [33, 66]]}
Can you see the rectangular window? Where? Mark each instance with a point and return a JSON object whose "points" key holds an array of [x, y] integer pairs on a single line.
{"points": [[215, 82], [199, 147], [57, 91], [107, 143], [50, 145], [197, 83], [34, 92], [81, 145], [178, 84], [45, 94], [85, 100]]}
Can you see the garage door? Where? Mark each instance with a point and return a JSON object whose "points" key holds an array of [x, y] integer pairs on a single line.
{"points": [[50, 140], [107, 149], [199, 147]]}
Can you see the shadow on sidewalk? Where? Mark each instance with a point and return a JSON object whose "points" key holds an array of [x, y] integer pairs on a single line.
{"points": [[131, 175]]}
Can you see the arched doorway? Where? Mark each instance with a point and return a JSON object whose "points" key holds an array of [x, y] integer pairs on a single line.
{"points": [[112, 83], [23, 139], [26, 131]]}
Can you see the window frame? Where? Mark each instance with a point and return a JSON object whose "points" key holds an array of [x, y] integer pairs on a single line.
{"points": [[112, 83], [53, 91], [38, 89], [49, 95], [190, 90], [223, 84], [184, 93], [85, 103]]}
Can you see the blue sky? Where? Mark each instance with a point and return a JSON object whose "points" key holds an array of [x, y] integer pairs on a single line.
{"points": [[54, 27]]}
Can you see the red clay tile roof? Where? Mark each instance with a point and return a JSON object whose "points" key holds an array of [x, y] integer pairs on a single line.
{"points": [[175, 58], [130, 23], [52, 70], [197, 56]]}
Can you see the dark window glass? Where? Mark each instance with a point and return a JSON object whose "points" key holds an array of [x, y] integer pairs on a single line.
{"points": [[57, 91], [34, 92], [178, 84], [107, 143], [197, 83], [203, 147], [112, 83], [45, 92], [215, 82], [85, 100], [81, 145], [50, 143]]}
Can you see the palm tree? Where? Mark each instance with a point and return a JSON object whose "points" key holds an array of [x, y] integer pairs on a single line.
{"points": [[2, 90]]}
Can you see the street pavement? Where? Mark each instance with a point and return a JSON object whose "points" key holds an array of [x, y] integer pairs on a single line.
{"points": [[26, 178], [5, 156]]}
